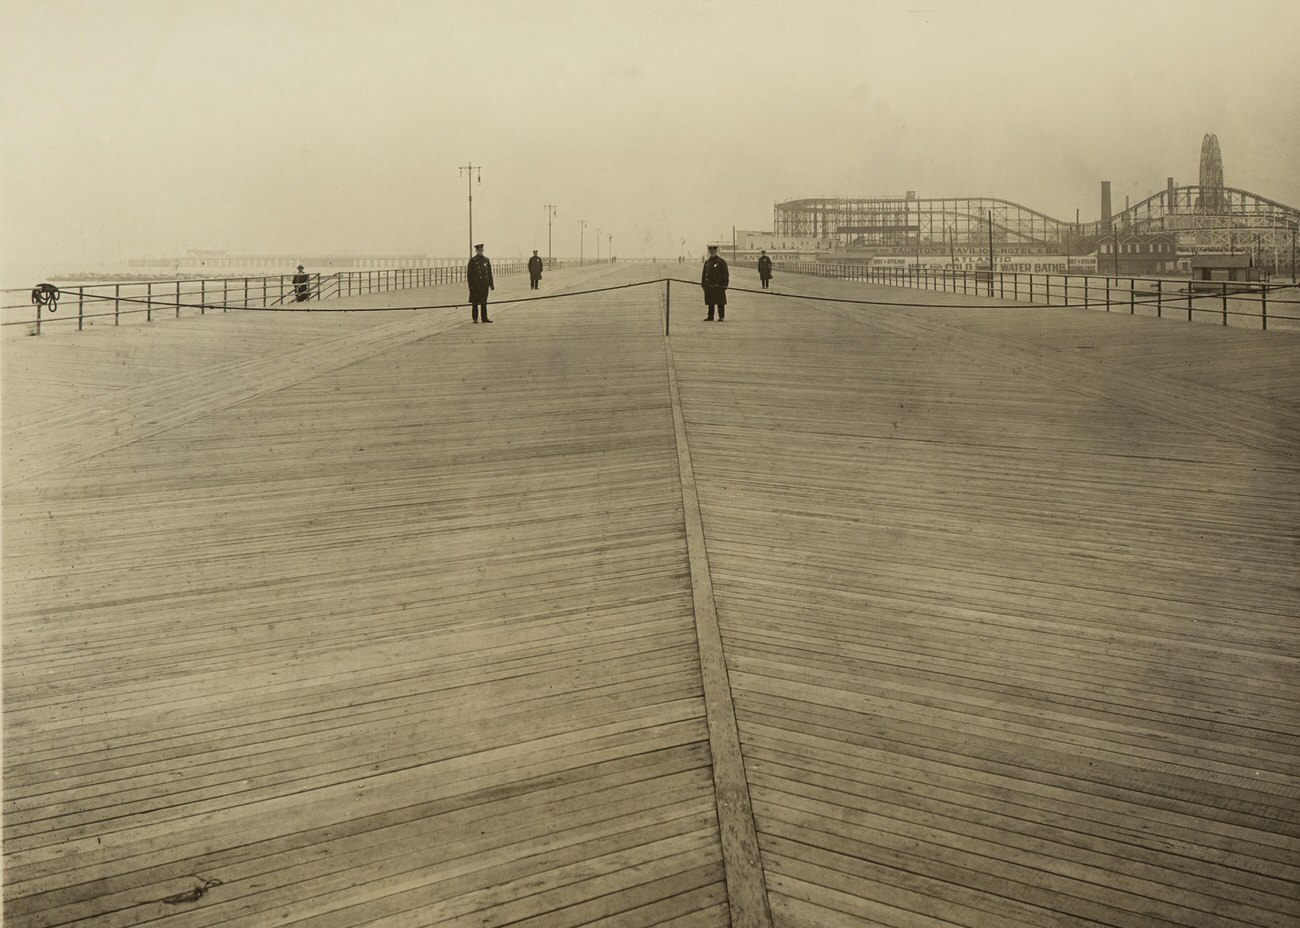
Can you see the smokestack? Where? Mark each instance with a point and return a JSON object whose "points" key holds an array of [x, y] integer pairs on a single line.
{"points": [[1169, 194], [1105, 205]]}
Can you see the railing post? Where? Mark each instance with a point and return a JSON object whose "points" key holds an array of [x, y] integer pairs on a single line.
{"points": [[668, 303], [1132, 296], [1189, 300], [1225, 302], [117, 305], [203, 297], [1108, 294], [225, 294], [178, 299], [1065, 287], [148, 302], [1263, 306], [1160, 310], [81, 309]]}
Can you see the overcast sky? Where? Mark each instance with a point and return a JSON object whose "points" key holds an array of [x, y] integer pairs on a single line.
{"points": [[147, 127]]}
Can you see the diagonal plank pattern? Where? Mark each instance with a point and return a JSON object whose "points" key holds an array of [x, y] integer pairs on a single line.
{"points": [[1011, 630], [378, 628], [392, 621]]}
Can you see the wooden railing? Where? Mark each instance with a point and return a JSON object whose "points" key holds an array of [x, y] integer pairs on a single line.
{"points": [[1161, 296], [121, 300]]}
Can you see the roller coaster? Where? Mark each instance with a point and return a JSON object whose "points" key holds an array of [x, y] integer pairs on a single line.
{"points": [[1244, 221], [1205, 217]]}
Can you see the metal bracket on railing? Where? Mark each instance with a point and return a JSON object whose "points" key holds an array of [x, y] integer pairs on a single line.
{"points": [[46, 295]]}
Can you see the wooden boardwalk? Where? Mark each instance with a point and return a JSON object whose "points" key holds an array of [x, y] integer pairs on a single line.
{"points": [[829, 615]]}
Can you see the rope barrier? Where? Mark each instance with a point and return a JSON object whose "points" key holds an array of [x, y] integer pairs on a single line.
{"points": [[48, 295]]}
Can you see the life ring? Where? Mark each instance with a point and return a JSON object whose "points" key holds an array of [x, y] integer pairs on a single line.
{"points": [[46, 295]]}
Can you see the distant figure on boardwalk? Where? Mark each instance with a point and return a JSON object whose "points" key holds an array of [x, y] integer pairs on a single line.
{"points": [[764, 269], [479, 277], [301, 286], [714, 279], [534, 270]]}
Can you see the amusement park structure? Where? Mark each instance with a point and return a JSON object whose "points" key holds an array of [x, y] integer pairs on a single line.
{"points": [[1205, 218]]}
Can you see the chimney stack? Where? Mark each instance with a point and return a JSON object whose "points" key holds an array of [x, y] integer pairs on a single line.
{"points": [[1105, 205]]}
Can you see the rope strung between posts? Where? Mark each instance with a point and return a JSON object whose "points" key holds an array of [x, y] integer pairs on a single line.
{"points": [[48, 295]]}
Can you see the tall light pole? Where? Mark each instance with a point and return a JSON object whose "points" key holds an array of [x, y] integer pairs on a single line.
{"points": [[611, 246], [582, 231], [1294, 227], [597, 244], [550, 212], [470, 172], [990, 252]]}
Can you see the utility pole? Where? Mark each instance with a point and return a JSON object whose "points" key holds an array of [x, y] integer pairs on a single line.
{"points": [[471, 172], [582, 231], [1294, 227], [597, 244], [611, 246], [990, 252], [550, 212]]}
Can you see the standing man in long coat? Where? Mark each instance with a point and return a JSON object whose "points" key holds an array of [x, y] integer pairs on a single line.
{"points": [[764, 269], [714, 279], [301, 285], [534, 270], [479, 277]]}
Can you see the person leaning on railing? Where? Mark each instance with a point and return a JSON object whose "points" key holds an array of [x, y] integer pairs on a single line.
{"points": [[301, 285]]}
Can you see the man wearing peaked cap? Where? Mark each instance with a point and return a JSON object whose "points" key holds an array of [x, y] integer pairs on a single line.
{"points": [[714, 280], [478, 274]]}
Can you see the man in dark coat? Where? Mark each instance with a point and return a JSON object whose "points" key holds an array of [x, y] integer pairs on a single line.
{"points": [[479, 277], [714, 279], [764, 269], [534, 270], [301, 285]]}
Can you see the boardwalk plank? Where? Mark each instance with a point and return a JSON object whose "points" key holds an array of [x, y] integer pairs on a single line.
{"points": [[390, 620]]}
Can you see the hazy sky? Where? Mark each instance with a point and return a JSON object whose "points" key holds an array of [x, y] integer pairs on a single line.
{"points": [[146, 127]]}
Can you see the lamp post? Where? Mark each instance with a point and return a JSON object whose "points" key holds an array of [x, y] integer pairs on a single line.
{"points": [[1114, 243], [597, 244], [471, 172], [582, 231], [550, 212], [1294, 227], [610, 252], [990, 252]]}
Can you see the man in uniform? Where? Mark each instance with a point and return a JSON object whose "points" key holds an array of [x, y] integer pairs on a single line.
{"points": [[534, 270], [479, 277], [764, 269], [714, 279]]}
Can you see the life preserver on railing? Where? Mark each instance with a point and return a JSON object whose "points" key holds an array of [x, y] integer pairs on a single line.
{"points": [[46, 295]]}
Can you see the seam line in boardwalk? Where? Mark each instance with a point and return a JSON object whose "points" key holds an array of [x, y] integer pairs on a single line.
{"points": [[746, 887]]}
